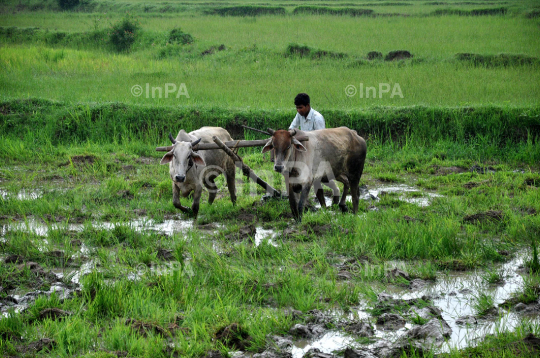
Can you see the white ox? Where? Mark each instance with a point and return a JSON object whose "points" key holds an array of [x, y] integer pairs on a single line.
{"points": [[190, 171]]}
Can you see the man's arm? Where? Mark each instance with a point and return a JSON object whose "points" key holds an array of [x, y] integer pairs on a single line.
{"points": [[295, 123], [319, 122]]}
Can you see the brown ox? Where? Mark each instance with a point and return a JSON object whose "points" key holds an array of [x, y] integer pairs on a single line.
{"points": [[336, 153], [190, 170]]}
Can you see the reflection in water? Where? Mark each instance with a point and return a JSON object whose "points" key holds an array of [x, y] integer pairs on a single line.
{"points": [[448, 298], [374, 195]]}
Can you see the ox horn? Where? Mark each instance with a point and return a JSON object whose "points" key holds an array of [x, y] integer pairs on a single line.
{"points": [[271, 131], [196, 142], [292, 131], [172, 138]]}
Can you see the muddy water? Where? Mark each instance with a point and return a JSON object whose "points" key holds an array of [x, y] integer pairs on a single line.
{"points": [[454, 294], [168, 227], [374, 194], [19, 300], [264, 234], [331, 341], [402, 189], [38, 227], [24, 194]]}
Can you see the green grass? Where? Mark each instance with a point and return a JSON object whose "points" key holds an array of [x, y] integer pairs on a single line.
{"points": [[243, 284], [72, 132], [258, 74], [502, 344], [483, 304]]}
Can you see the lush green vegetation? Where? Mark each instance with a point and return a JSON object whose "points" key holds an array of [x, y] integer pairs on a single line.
{"points": [[78, 160]]}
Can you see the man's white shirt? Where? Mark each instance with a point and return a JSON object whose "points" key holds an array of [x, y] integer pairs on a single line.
{"points": [[313, 121]]}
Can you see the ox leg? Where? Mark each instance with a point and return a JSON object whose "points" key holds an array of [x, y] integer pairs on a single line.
{"points": [[335, 191], [293, 202], [212, 190], [355, 193], [230, 175], [176, 200], [196, 201], [303, 198], [343, 201], [319, 192]]}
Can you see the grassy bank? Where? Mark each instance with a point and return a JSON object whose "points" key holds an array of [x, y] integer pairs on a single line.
{"points": [[117, 122], [257, 8]]}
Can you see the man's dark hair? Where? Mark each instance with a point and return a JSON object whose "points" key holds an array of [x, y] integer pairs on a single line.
{"points": [[302, 99]]}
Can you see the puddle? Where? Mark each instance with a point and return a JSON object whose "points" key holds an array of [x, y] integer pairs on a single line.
{"points": [[24, 194], [455, 302], [36, 226], [265, 234], [328, 343], [19, 302], [454, 294], [424, 200], [75, 275], [375, 194]]}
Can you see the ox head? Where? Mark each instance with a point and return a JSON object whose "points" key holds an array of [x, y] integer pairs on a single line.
{"points": [[284, 143], [181, 157]]}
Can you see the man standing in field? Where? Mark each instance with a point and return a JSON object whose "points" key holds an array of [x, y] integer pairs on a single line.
{"points": [[307, 119]]}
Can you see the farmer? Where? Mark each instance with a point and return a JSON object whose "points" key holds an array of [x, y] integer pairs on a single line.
{"points": [[307, 119]]}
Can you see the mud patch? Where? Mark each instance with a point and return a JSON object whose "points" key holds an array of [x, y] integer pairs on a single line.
{"points": [[397, 55], [450, 170], [474, 12], [213, 49], [390, 321], [501, 60], [246, 10], [472, 184], [165, 255], [488, 216], [144, 328], [321, 10], [44, 344], [374, 55], [234, 336], [82, 160], [52, 314], [482, 170], [295, 50], [246, 216], [243, 233]]}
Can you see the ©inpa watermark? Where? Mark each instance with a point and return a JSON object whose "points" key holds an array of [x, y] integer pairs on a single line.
{"points": [[371, 91], [170, 89], [166, 269]]}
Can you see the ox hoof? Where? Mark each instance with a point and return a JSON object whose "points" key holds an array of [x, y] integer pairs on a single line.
{"points": [[343, 208]]}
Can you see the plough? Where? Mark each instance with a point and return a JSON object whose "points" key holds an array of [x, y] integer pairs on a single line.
{"points": [[230, 147]]}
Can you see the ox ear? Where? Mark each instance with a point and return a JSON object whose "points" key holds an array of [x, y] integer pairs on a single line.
{"points": [[167, 158], [269, 146], [299, 147], [197, 159], [183, 136]]}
